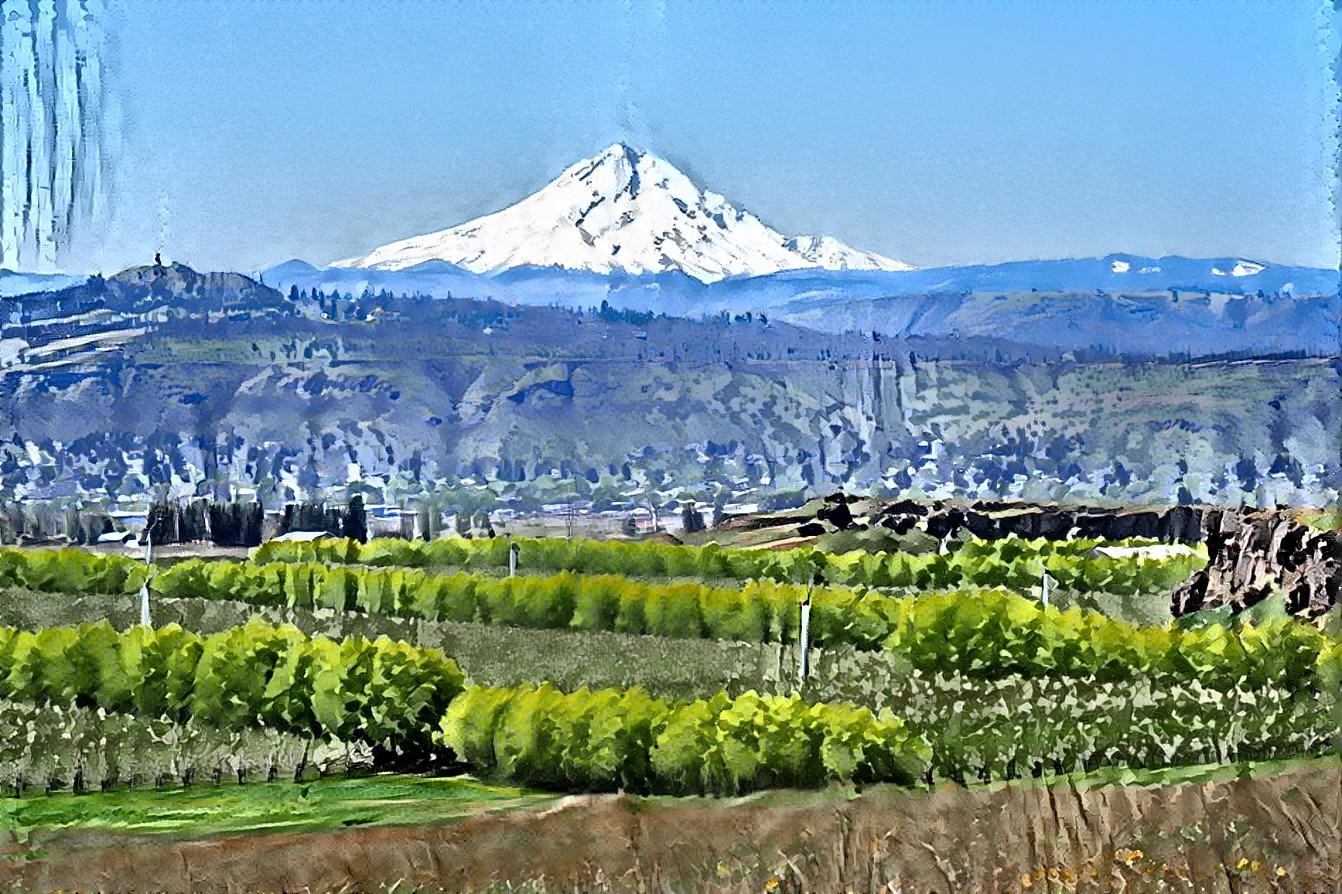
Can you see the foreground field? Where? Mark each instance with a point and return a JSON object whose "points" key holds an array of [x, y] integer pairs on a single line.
{"points": [[1214, 830], [271, 688], [982, 727]]}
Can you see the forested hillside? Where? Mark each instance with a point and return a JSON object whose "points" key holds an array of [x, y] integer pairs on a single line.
{"points": [[162, 381]]}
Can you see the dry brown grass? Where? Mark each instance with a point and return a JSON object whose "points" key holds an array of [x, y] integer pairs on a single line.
{"points": [[1275, 833]]}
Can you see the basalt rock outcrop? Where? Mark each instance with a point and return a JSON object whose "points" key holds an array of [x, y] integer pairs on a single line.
{"points": [[1252, 555], [993, 520], [987, 520]]}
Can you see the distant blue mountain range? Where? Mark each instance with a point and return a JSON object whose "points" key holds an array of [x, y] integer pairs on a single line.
{"points": [[676, 292], [12, 283], [1125, 303], [1113, 274], [1119, 303]]}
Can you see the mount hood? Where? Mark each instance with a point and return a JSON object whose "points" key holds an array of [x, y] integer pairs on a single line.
{"points": [[623, 211]]}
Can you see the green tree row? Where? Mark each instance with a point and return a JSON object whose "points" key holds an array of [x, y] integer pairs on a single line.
{"points": [[1010, 727], [998, 632], [1010, 562], [612, 739], [69, 571], [50, 747], [977, 632], [377, 691], [1001, 729], [980, 633]]}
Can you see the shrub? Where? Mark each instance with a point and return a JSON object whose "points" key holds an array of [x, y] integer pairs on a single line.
{"points": [[1009, 562], [974, 631], [383, 692], [613, 739]]}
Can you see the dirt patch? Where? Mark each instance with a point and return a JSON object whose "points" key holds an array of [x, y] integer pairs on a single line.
{"points": [[1274, 833]]}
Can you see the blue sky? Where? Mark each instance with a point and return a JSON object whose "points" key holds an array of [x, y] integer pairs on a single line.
{"points": [[936, 133]]}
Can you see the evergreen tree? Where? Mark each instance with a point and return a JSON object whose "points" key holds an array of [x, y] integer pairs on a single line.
{"points": [[692, 520]]}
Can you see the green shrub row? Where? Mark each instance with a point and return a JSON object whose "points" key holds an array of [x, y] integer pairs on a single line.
{"points": [[948, 728], [759, 611], [1330, 663], [1011, 727], [48, 748], [613, 739], [69, 571], [377, 691], [997, 632], [1009, 562], [981, 633]]}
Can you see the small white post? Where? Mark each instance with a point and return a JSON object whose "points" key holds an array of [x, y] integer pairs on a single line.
{"points": [[149, 568], [144, 603], [804, 641], [1048, 582], [513, 550]]}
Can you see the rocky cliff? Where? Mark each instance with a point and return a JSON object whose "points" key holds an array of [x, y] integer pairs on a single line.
{"points": [[1251, 555], [987, 520], [991, 520]]}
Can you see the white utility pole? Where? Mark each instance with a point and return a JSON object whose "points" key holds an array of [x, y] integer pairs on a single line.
{"points": [[144, 601], [144, 588], [804, 641]]}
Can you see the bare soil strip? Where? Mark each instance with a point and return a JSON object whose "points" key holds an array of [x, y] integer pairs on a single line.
{"points": [[1277, 832]]}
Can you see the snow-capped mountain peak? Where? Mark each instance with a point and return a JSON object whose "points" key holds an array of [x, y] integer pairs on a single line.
{"points": [[831, 254], [624, 210]]}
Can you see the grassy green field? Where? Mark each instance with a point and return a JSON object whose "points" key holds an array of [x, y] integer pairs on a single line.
{"points": [[206, 811]]}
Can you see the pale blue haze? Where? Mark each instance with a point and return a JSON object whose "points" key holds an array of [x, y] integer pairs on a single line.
{"points": [[933, 133]]}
